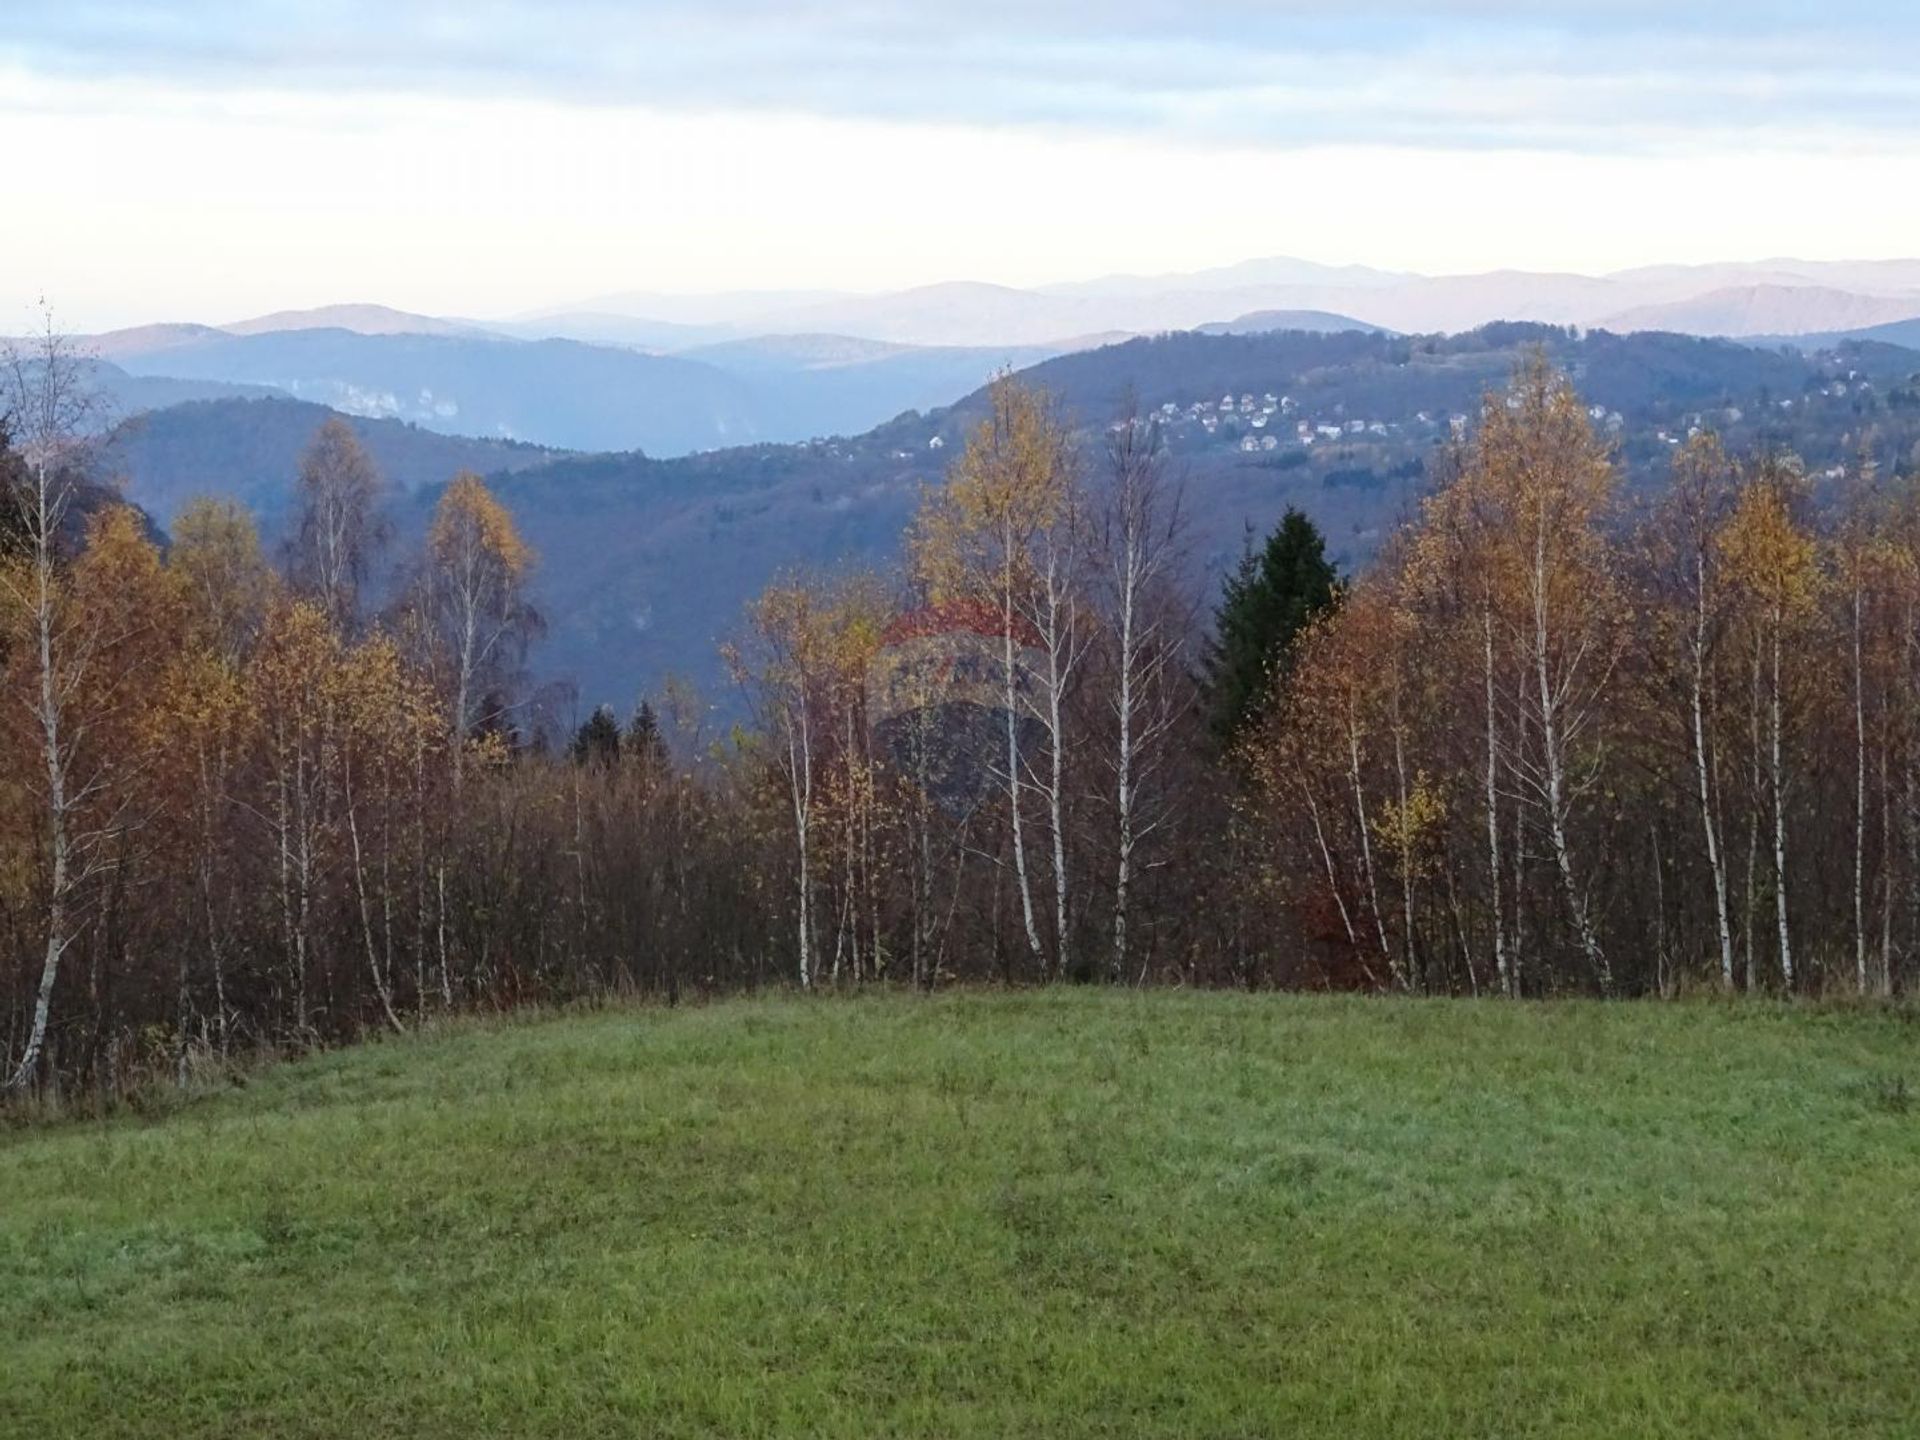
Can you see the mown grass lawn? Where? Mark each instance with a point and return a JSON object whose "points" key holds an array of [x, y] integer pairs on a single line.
{"points": [[1062, 1213]]}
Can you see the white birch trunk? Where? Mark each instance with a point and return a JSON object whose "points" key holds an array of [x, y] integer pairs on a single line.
{"points": [[1509, 982], [1014, 783], [1554, 763], [1703, 773], [1777, 766], [1859, 800]]}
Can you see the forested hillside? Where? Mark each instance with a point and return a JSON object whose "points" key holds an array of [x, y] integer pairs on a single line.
{"points": [[648, 562], [249, 450]]}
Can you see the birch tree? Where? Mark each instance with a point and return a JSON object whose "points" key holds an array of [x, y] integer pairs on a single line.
{"points": [[985, 536], [1538, 458], [802, 669], [474, 590], [1771, 561], [339, 526], [1142, 538], [49, 414], [1683, 539]]}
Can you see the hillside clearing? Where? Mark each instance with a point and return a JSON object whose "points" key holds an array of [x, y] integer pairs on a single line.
{"points": [[1071, 1213]]}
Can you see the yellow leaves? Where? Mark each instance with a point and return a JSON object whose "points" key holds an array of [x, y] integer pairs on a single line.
{"points": [[201, 700], [1409, 830], [304, 675], [470, 524], [816, 631], [380, 701], [489, 752], [1014, 480], [471, 607], [226, 582], [1765, 552], [118, 583], [298, 648], [1525, 519]]}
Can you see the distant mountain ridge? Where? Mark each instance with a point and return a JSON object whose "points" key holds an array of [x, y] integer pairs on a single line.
{"points": [[716, 371], [360, 319], [646, 561], [574, 395], [974, 313], [1744, 310], [1323, 322], [1903, 334], [556, 392]]}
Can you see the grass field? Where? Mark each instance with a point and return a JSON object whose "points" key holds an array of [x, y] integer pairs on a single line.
{"points": [[1065, 1213]]}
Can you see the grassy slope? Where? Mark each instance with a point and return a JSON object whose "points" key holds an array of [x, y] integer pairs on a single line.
{"points": [[1062, 1213]]}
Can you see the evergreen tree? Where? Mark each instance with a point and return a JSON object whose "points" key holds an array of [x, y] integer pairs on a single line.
{"points": [[1263, 605], [597, 742], [644, 744]]}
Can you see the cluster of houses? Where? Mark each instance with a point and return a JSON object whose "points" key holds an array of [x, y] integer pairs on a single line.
{"points": [[1266, 422], [1254, 423]]}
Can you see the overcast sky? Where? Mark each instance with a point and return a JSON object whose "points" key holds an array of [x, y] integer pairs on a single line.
{"points": [[210, 160]]}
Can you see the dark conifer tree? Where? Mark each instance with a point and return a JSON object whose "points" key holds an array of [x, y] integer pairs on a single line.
{"points": [[644, 744], [597, 742], [1263, 605]]}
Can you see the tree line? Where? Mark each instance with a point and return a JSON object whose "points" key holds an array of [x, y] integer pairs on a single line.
{"points": [[1546, 745], [1556, 741]]}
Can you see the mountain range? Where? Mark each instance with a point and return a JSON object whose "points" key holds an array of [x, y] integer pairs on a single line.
{"points": [[672, 452], [646, 561], [973, 313], [675, 375], [460, 380]]}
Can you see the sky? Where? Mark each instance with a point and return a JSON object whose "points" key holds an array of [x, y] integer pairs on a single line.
{"points": [[210, 160]]}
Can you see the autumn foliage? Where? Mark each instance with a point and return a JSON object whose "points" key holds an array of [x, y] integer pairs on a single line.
{"points": [[1558, 739]]}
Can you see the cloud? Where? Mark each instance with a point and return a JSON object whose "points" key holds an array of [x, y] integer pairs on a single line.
{"points": [[1629, 76]]}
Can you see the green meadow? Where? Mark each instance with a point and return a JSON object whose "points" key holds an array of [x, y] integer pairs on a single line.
{"points": [[1071, 1212]]}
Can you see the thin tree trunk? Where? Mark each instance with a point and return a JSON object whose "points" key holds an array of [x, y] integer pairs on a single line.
{"points": [[1554, 761], [1703, 773], [1333, 878], [1123, 767], [1059, 660], [1778, 769], [1406, 839], [54, 757], [1756, 786], [1509, 982], [800, 771], [1012, 697], [1859, 802], [1366, 848], [380, 985]]}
